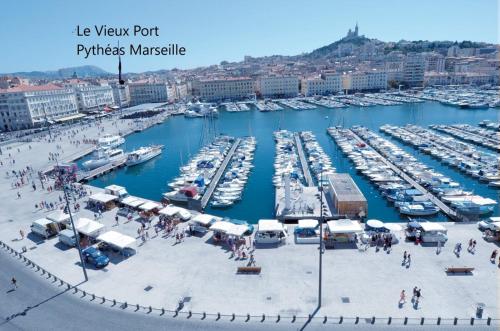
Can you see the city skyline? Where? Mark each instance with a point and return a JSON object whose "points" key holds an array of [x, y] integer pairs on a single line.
{"points": [[208, 41]]}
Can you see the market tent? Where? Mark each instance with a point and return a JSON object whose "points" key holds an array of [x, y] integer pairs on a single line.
{"points": [[393, 227], [149, 205], [132, 202], [184, 214], [270, 226], [169, 210], [221, 226], [375, 224], [237, 230], [103, 197], [308, 224], [344, 226], [116, 239], [432, 226], [496, 225], [88, 227], [58, 216], [204, 219]]}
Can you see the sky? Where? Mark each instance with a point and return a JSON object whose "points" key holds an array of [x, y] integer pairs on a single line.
{"points": [[41, 35]]}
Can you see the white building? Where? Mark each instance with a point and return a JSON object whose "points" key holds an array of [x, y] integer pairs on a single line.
{"points": [[91, 98], [434, 62], [120, 94], [147, 92], [365, 80], [326, 83], [413, 70], [233, 88], [459, 78], [26, 106], [278, 86]]}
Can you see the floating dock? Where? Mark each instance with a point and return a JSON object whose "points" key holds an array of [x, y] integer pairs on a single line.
{"points": [[303, 160], [97, 172], [441, 205], [215, 180]]}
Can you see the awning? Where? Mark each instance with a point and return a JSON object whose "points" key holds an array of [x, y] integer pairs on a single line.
{"points": [[88, 227], [69, 118], [308, 224], [204, 219], [432, 226], [103, 197], [375, 224], [132, 202], [344, 226], [237, 230], [58, 216], [221, 226], [270, 226], [393, 227], [150, 205], [116, 239], [169, 210]]}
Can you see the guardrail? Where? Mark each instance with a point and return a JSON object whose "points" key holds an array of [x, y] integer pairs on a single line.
{"points": [[126, 306]]}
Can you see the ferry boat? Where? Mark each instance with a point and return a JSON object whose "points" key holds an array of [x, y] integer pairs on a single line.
{"points": [[143, 154], [103, 157], [110, 141]]}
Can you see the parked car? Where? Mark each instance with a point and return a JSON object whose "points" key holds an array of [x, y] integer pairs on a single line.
{"points": [[95, 257]]}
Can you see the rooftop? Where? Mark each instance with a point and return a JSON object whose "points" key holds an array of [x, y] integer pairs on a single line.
{"points": [[344, 188]]}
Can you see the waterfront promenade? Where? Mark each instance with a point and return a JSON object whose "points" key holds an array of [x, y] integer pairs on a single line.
{"points": [[355, 282]]}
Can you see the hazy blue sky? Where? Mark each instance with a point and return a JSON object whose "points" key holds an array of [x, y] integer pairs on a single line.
{"points": [[39, 35]]}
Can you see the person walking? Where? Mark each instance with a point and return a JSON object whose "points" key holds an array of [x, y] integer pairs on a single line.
{"points": [[14, 283], [493, 256], [21, 232], [408, 261], [116, 220], [404, 257], [419, 295], [402, 297]]}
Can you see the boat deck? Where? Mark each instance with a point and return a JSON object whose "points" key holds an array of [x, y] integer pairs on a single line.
{"points": [[215, 180], [441, 205]]}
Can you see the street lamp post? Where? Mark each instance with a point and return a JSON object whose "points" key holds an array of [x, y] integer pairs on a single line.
{"points": [[320, 282]]}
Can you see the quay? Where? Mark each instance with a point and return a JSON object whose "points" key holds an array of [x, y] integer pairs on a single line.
{"points": [[441, 205], [215, 180], [303, 160], [97, 172]]}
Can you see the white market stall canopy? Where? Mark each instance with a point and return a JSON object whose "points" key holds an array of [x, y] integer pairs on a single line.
{"points": [[58, 216], [103, 197], [344, 226], [204, 219], [270, 226], [375, 224], [149, 205], [393, 227], [221, 226], [237, 230], [169, 210], [308, 224], [88, 227], [432, 226], [132, 202], [116, 239]]}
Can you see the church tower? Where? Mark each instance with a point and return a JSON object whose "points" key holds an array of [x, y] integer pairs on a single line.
{"points": [[356, 30]]}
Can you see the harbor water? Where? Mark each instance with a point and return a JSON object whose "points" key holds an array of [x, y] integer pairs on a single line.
{"points": [[182, 138]]}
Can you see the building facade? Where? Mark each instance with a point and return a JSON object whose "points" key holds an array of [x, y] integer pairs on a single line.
{"points": [[278, 86], [365, 81], [24, 106], [413, 70], [327, 83], [120, 94], [147, 92], [92, 98], [211, 90]]}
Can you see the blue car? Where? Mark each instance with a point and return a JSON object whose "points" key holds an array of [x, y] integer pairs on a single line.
{"points": [[95, 257]]}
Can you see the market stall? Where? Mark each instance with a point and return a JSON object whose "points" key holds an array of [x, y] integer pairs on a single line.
{"points": [[307, 232], [342, 231], [102, 201], [201, 222], [117, 241], [270, 232]]}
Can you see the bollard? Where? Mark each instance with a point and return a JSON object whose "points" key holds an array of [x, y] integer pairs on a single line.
{"points": [[93, 296], [68, 286], [103, 299], [422, 321], [218, 317], [389, 321], [233, 317], [204, 316], [405, 321], [49, 275], [325, 319], [176, 313], [356, 321], [263, 318], [76, 289], [472, 321], [279, 318], [455, 321], [62, 283], [125, 305], [43, 271], [150, 309], [84, 294], [373, 320], [341, 320], [488, 321], [439, 321], [189, 314], [163, 311], [37, 268], [309, 318], [293, 319], [137, 306], [114, 302]]}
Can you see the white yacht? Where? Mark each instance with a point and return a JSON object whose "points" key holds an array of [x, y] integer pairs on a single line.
{"points": [[110, 141], [103, 157], [143, 154]]}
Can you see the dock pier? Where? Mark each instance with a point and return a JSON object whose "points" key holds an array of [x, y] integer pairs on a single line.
{"points": [[441, 205], [303, 161], [215, 180], [97, 172]]}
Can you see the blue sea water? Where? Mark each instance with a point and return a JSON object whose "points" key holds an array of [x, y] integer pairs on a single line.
{"points": [[183, 137]]}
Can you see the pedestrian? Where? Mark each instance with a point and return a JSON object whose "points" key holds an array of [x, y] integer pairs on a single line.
{"points": [[473, 250], [14, 283], [493, 256], [404, 257], [414, 293], [116, 220], [470, 245], [252, 260], [408, 261], [438, 248], [419, 295], [18, 195], [21, 232], [402, 297]]}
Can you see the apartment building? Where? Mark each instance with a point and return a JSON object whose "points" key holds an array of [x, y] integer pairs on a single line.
{"points": [[413, 70], [26, 106], [92, 98], [147, 92], [278, 86], [364, 80], [232, 88], [324, 84]]}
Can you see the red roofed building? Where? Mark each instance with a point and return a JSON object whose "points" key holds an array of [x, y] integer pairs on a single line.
{"points": [[28, 106]]}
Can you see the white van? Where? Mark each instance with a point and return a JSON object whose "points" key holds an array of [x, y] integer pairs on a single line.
{"points": [[67, 237], [44, 227]]}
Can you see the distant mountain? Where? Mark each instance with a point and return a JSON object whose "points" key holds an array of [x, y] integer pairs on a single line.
{"points": [[81, 72], [332, 48]]}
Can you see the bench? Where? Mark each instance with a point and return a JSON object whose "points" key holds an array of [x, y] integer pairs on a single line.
{"points": [[248, 270], [465, 270]]}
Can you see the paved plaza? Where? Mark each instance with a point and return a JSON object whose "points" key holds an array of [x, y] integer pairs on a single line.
{"points": [[355, 282]]}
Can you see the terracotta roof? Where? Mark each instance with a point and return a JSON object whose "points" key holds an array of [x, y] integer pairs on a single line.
{"points": [[31, 88]]}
